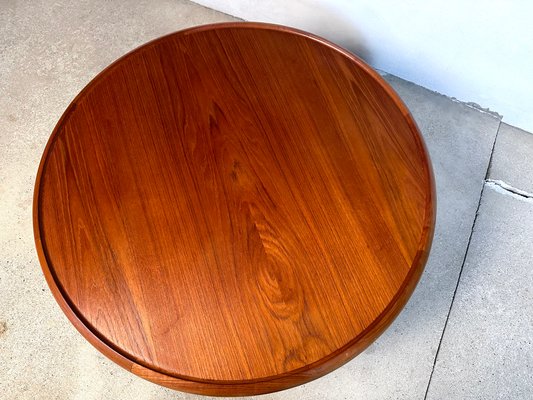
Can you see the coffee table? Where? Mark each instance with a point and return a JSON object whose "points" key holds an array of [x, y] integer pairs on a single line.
{"points": [[234, 209]]}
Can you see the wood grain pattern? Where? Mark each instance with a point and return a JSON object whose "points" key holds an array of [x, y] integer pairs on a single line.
{"points": [[234, 209]]}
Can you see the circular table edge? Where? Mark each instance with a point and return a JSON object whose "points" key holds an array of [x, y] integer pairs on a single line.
{"points": [[281, 381]]}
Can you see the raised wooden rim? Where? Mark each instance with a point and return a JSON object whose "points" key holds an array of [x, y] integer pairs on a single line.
{"points": [[280, 381]]}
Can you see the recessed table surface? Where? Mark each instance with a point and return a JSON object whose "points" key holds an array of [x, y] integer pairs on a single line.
{"points": [[234, 209]]}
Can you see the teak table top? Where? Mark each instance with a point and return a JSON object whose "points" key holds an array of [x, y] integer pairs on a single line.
{"points": [[234, 209]]}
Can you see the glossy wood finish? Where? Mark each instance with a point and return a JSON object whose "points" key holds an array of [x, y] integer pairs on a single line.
{"points": [[234, 209]]}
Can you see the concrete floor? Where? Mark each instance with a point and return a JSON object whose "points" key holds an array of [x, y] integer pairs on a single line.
{"points": [[465, 334]]}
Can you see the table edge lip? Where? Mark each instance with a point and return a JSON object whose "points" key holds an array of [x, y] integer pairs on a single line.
{"points": [[286, 379]]}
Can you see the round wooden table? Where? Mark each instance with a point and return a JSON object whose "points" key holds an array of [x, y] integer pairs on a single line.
{"points": [[234, 209]]}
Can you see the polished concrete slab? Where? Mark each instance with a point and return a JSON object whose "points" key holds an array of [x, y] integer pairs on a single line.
{"points": [[512, 161], [487, 349], [48, 51]]}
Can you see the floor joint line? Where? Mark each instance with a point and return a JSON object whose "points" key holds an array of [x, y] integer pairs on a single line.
{"points": [[463, 263]]}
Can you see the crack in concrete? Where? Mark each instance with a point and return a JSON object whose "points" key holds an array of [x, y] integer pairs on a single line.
{"points": [[508, 190]]}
